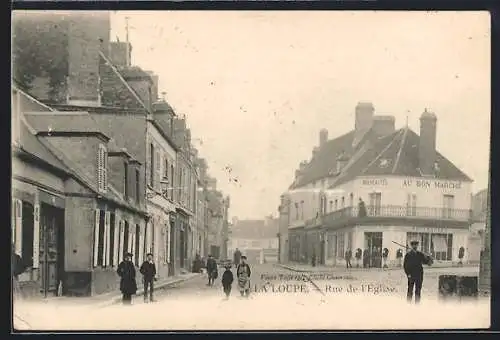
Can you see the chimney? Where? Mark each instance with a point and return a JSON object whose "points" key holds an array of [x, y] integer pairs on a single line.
{"points": [[119, 54], [142, 84], [88, 34], [384, 125], [323, 137], [363, 120], [154, 88], [297, 174], [427, 146]]}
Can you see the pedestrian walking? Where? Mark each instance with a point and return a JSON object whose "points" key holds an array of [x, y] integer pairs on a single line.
{"points": [[227, 280], [414, 270], [243, 273], [128, 286], [148, 271], [348, 256], [237, 257], [17, 268], [212, 270]]}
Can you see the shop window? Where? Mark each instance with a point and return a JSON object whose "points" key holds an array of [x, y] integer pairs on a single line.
{"points": [[28, 233], [441, 245], [340, 245]]}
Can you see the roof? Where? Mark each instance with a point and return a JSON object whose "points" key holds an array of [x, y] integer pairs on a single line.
{"points": [[254, 229], [134, 72], [395, 154], [63, 122]]}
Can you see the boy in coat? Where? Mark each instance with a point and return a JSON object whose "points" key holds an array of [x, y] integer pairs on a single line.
{"points": [[148, 271], [128, 286], [227, 280]]}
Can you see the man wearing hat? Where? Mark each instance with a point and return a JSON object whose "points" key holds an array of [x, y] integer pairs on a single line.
{"points": [[148, 271], [414, 270], [243, 273], [126, 271]]}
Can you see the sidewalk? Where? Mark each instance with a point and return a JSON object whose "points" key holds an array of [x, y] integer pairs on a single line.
{"points": [[300, 267], [107, 299]]}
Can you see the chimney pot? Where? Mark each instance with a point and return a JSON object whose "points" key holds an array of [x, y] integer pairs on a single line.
{"points": [[323, 137], [427, 145], [384, 125]]}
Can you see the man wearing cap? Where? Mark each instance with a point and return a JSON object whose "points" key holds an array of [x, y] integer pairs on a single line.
{"points": [[414, 270], [148, 271], [128, 286]]}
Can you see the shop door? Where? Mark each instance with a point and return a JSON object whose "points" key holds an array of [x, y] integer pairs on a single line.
{"points": [[172, 236], [51, 249], [373, 242]]}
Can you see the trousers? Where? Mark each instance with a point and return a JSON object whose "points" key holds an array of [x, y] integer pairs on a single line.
{"points": [[148, 287], [414, 283]]}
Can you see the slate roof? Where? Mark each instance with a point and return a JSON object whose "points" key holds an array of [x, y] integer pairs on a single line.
{"points": [[63, 122], [254, 229], [395, 154]]}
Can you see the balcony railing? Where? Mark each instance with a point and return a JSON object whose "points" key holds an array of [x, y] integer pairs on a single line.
{"points": [[392, 211]]}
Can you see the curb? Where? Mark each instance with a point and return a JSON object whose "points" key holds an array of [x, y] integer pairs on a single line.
{"points": [[160, 286]]}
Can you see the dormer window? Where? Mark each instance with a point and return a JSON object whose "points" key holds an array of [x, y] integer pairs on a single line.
{"points": [[102, 166]]}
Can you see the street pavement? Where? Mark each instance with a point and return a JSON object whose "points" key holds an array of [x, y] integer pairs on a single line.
{"points": [[280, 299]]}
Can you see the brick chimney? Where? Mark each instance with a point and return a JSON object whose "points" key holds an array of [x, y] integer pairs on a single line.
{"points": [[363, 120], [427, 145], [323, 137], [88, 34], [384, 125]]}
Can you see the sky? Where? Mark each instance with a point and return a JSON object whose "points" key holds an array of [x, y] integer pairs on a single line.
{"points": [[257, 86]]}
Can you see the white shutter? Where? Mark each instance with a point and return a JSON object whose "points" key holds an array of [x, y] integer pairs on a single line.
{"points": [[19, 228], [107, 238], [122, 238], [156, 239], [131, 238], [105, 170], [116, 241], [169, 235], [99, 168], [141, 246], [36, 236], [96, 236]]}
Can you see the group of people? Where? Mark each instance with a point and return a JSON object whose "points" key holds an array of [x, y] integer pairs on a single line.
{"points": [[243, 273], [127, 274]]}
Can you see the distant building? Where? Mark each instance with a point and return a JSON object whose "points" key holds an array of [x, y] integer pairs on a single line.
{"points": [[257, 239], [410, 192], [478, 227]]}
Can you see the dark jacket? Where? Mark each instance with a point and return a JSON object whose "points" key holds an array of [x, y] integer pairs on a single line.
{"points": [[126, 271], [413, 262], [17, 265], [242, 266], [237, 256], [211, 265], [348, 255], [361, 209], [148, 271], [227, 278]]}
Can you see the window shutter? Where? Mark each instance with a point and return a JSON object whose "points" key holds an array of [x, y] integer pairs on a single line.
{"points": [[116, 240], [105, 170], [157, 170], [121, 228], [131, 234], [96, 237], [141, 245], [19, 227], [148, 164], [107, 245], [169, 235], [36, 236], [161, 165], [99, 168]]}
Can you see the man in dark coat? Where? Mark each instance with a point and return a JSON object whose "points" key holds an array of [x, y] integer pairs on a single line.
{"points": [[128, 286], [414, 270], [212, 270], [148, 271], [237, 257]]}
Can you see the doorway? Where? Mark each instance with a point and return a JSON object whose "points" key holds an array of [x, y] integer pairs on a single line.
{"points": [[373, 242], [172, 238], [51, 249], [181, 248]]}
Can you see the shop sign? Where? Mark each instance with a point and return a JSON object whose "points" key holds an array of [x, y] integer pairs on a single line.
{"points": [[431, 230], [431, 184]]}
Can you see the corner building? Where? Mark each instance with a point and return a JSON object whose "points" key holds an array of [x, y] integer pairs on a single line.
{"points": [[410, 191]]}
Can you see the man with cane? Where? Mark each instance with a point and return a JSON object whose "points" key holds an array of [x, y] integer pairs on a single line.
{"points": [[414, 270]]}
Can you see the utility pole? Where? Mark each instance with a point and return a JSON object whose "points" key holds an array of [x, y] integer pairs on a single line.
{"points": [[127, 42]]}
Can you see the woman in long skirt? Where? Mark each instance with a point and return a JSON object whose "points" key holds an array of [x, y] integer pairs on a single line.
{"points": [[243, 273]]}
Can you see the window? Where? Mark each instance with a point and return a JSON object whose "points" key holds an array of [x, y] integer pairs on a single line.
{"points": [[331, 206], [448, 205], [137, 239], [172, 173], [349, 240], [100, 236], [411, 205], [152, 165], [137, 186], [340, 245], [296, 211], [375, 203], [301, 210], [126, 237], [179, 190], [102, 166], [422, 238], [125, 180], [28, 233], [441, 246], [167, 244]]}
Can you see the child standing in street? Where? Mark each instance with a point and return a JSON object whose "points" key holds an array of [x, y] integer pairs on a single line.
{"points": [[227, 281]]}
